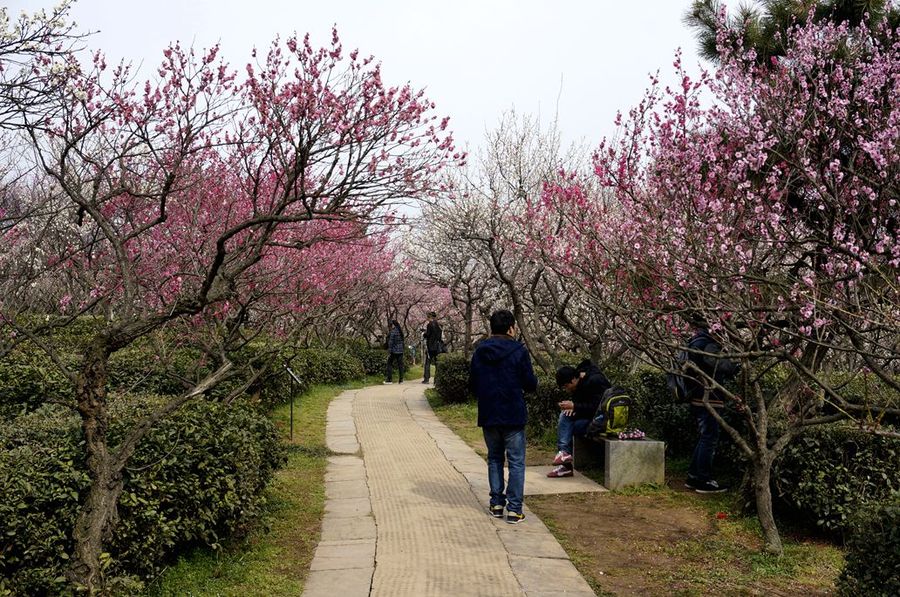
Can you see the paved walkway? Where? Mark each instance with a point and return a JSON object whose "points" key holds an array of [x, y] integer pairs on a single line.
{"points": [[405, 511]]}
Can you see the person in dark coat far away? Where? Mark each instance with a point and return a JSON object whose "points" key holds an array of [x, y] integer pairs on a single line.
{"points": [[433, 344], [395, 352]]}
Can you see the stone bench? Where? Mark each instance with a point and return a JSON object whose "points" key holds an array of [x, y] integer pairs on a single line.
{"points": [[625, 462]]}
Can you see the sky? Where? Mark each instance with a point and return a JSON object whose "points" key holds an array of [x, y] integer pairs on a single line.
{"points": [[580, 61]]}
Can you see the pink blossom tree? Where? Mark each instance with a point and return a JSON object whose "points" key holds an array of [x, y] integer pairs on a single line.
{"points": [[761, 199], [202, 196]]}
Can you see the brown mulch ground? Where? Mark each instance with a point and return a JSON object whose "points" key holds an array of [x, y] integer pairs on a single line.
{"points": [[661, 545]]}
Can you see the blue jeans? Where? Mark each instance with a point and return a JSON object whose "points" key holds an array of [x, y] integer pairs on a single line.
{"points": [[430, 357], [701, 462], [567, 429], [508, 442]]}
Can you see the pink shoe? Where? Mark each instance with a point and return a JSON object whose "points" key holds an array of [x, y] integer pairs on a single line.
{"points": [[562, 458], [562, 470]]}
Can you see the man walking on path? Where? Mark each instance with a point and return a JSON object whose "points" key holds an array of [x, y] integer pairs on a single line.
{"points": [[395, 352], [500, 374], [433, 344]]}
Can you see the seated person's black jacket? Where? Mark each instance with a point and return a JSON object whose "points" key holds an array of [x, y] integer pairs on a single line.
{"points": [[589, 390]]}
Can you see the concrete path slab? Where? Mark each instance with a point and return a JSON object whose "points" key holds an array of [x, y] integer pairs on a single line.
{"points": [[538, 483], [405, 513]]}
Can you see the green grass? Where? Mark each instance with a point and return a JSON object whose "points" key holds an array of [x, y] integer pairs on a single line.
{"points": [[273, 559], [460, 418]]}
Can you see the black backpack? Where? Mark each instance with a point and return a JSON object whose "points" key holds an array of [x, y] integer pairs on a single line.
{"points": [[611, 417], [674, 381], [685, 389]]}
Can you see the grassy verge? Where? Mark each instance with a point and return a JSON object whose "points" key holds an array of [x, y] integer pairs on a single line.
{"points": [[273, 559]]}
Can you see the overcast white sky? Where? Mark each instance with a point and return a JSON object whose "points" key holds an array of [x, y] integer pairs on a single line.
{"points": [[475, 58]]}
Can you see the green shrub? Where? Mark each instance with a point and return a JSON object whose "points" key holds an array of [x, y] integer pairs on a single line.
{"points": [[865, 389], [373, 359], [317, 366], [451, 378], [28, 380], [543, 405], [310, 365], [139, 369], [828, 473], [195, 478], [873, 551]]}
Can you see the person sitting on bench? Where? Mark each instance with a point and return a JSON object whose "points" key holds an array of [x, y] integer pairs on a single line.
{"points": [[586, 384]]}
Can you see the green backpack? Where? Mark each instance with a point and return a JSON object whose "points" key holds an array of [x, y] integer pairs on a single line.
{"points": [[611, 417]]}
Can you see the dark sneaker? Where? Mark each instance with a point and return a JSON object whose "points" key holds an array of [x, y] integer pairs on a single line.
{"points": [[425, 381], [496, 511], [708, 487], [691, 483], [563, 470], [562, 458], [514, 517]]}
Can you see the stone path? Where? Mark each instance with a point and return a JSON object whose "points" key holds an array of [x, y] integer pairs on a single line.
{"points": [[406, 514]]}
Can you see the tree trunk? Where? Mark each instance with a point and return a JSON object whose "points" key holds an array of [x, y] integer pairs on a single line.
{"points": [[467, 339], [762, 490], [98, 512]]}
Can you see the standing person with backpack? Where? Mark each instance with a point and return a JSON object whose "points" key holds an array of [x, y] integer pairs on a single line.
{"points": [[586, 384], [721, 370], [434, 345], [395, 352], [499, 376]]}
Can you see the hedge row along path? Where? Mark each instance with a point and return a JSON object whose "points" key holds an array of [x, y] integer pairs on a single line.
{"points": [[406, 511]]}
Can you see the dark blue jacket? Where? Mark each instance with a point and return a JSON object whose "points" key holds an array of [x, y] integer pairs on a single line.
{"points": [[395, 341], [432, 336], [499, 376], [722, 370]]}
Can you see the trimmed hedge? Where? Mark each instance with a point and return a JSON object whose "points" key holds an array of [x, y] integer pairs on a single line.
{"points": [[828, 474], [373, 359], [451, 378], [873, 552], [196, 477], [317, 366]]}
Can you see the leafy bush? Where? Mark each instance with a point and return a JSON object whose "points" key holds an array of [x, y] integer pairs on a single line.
{"points": [[196, 477], [27, 380], [828, 473], [451, 378], [543, 406], [139, 369], [317, 366], [310, 365], [865, 389], [373, 359], [872, 563]]}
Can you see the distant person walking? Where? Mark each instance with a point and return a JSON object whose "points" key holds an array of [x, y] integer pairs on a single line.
{"points": [[434, 344], [500, 374], [395, 352]]}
